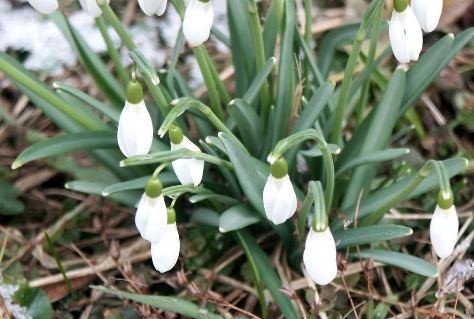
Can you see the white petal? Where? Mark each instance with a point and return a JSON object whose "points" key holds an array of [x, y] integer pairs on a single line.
{"points": [[197, 22], [428, 13], [135, 130], [188, 171], [279, 199], [157, 220], [151, 7], [319, 256], [91, 7], [143, 212], [44, 6], [405, 35], [165, 253], [444, 231]]}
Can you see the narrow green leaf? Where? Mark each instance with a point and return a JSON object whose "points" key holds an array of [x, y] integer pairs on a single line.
{"points": [[214, 198], [145, 67], [315, 151], [9, 205], [237, 217], [267, 274], [369, 234], [89, 100], [430, 64], [205, 216], [171, 304], [374, 157], [129, 198], [166, 179], [35, 301], [252, 93], [248, 123], [91, 61], [167, 156], [410, 263], [66, 143], [251, 173]]}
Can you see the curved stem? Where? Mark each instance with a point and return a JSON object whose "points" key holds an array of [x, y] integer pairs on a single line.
{"points": [[159, 169], [311, 134]]}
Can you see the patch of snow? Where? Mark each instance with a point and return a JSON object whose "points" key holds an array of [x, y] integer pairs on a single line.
{"points": [[7, 292]]}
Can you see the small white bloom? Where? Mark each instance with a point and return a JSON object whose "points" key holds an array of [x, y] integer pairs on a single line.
{"points": [[135, 130], [151, 218], [319, 256], [151, 7], [405, 35], [444, 230], [189, 171], [91, 7], [279, 199], [197, 22], [165, 253], [428, 13], [44, 6]]}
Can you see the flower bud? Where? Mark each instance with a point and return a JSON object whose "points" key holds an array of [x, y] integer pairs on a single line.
{"points": [[428, 13], [197, 22], [151, 7], [165, 253], [135, 129], [444, 230], [188, 170], [44, 6], [279, 197], [405, 35], [319, 256]]}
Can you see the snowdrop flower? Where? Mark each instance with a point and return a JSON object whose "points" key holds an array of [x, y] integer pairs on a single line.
{"points": [[405, 33], [135, 129], [91, 7], [279, 198], [165, 253], [44, 6], [151, 216], [197, 21], [189, 171], [444, 230], [428, 13], [319, 256], [151, 7]]}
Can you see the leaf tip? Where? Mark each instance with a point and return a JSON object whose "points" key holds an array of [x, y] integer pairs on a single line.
{"points": [[16, 164], [222, 230]]}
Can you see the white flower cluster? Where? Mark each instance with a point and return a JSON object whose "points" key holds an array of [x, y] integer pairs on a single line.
{"points": [[406, 24], [197, 21]]}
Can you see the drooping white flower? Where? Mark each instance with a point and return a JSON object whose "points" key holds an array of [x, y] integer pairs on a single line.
{"points": [[279, 199], [165, 252], [405, 35], [151, 7], [91, 7], [197, 22], [44, 6], [428, 13], [188, 170], [319, 256], [151, 217], [135, 129], [444, 230]]}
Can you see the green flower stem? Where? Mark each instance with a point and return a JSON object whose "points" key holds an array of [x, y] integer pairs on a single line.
{"points": [[374, 39], [308, 19], [114, 21], [116, 24], [423, 173], [320, 221], [183, 104], [349, 71], [159, 169], [200, 54], [114, 55], [445, 187], [179, 6], [305, 208], [311, 134], [221, 88], [259, 54], [46, 94]]}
